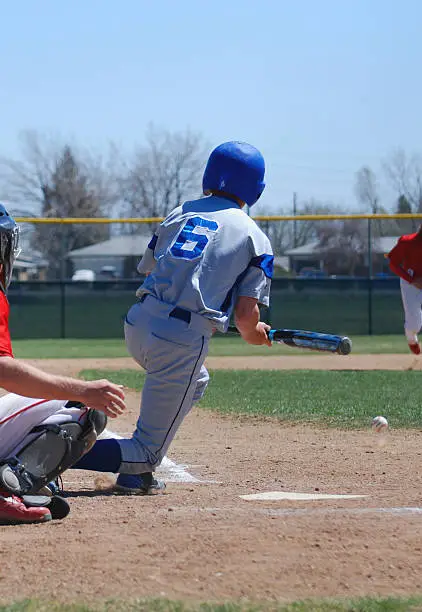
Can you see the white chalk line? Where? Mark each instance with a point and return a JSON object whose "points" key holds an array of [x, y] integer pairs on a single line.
{"points": [[173, 472], [169, 470], [295, 496], [303, 511], [230, 511]]}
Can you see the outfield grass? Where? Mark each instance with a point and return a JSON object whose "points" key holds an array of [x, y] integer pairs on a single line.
{"points": [[411, 604], [343, 399], [221, 346], [69, 348]]}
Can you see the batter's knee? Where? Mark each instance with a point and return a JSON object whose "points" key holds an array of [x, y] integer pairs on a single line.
{"points": [[201, 384]]}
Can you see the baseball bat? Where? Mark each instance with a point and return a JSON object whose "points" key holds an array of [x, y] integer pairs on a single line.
{"points": [[313, 341]]}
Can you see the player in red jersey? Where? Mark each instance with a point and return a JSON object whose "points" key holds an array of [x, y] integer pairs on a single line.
{"points": [[406, 261], [41, 437]]}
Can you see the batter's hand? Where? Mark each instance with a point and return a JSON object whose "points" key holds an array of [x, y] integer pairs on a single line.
{"points": [[105, 396], [259, 335]]}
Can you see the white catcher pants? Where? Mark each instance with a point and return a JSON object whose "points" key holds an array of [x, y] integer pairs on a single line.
{"points": [[18, 415], [412, 305]]}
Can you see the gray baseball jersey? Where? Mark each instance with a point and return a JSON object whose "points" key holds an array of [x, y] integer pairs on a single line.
{"points": [[204, 255]]}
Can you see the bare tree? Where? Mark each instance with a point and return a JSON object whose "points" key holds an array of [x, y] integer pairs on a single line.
{"points": [[405, 175], [404, 226], [285, 235], [344, 245], [22, 180], [163, 173], [56, 180], [366, 189], [367, 193]]}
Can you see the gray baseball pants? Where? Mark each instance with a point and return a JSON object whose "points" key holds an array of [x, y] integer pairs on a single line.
{"points": [[171, 344]]}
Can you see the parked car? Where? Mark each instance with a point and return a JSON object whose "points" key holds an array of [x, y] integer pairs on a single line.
{"points": [[108, 272], [84, 276], [311, 273]]}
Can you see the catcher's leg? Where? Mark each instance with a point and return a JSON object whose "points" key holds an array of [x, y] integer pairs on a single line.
{"points": [[18, 416], [50, 448]]}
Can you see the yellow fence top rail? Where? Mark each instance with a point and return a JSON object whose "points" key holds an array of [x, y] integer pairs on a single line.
{"points": [[70, 220]]}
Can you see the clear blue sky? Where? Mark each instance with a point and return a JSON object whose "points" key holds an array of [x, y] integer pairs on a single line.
{"points": [[320, 86]]}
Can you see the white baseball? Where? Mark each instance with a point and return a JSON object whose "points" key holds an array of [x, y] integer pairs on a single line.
{"points": [[379, 424]]}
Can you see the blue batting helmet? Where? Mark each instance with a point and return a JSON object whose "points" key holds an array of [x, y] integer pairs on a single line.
{"points": [[236, 168], [9, 246]]}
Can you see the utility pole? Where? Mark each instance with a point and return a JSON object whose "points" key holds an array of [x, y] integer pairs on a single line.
{"points": [[294, 222]]}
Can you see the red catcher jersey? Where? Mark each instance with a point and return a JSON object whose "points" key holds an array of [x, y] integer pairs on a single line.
{"points": [[5, 343], [407, 256]]}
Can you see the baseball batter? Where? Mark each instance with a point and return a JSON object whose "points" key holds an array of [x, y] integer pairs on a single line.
{"points": [[405, 260], [207, 260], [40, 437]]}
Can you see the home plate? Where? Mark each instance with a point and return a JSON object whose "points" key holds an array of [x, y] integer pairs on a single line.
{"points": [[279, 495]]}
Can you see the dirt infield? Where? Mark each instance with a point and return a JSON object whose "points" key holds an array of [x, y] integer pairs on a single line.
{"points": [[202, 541], [275, 362]]}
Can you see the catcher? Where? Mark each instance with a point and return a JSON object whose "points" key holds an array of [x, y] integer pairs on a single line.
{"points": [[40, 438]]}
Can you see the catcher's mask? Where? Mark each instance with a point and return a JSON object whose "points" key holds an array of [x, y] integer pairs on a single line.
{"points": [[9, 246]]}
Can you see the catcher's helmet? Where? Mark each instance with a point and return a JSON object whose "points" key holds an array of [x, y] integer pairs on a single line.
{"points": [[9, 246], [237, 168]]}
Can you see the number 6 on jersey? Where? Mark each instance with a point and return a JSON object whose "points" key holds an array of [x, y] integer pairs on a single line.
{"points": [[190, 245]]}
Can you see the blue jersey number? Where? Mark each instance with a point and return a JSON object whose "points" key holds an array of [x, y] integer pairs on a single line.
{"points": [[190, 245]]}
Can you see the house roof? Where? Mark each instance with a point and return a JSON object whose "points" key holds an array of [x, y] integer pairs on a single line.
{"points": [[282, 262], [310, 248], [385, 244], [26, 265], [119, 246], [379, 245], [34, 259]]}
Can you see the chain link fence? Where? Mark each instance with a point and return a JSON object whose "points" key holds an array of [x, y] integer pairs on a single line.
{"points": [[65, 309], [330, 275]]}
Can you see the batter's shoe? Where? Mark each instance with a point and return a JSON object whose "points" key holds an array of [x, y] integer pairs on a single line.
{"points": [[13, 511], [139, 484], [415, 348]]}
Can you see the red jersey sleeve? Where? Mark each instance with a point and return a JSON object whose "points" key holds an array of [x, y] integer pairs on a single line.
{"points": [[397, 252], [396, 256], [5, 342]]}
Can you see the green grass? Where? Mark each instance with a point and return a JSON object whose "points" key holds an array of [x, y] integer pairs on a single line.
{"points": [[132, 379], [411, 604], [68, 348], [343, 399], [220, 346]]}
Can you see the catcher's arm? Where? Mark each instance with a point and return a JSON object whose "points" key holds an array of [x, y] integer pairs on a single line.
{"points": [[246, 314], [24, 379]]}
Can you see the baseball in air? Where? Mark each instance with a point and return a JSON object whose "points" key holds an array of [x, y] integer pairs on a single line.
{"points": [[379, 424]]}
